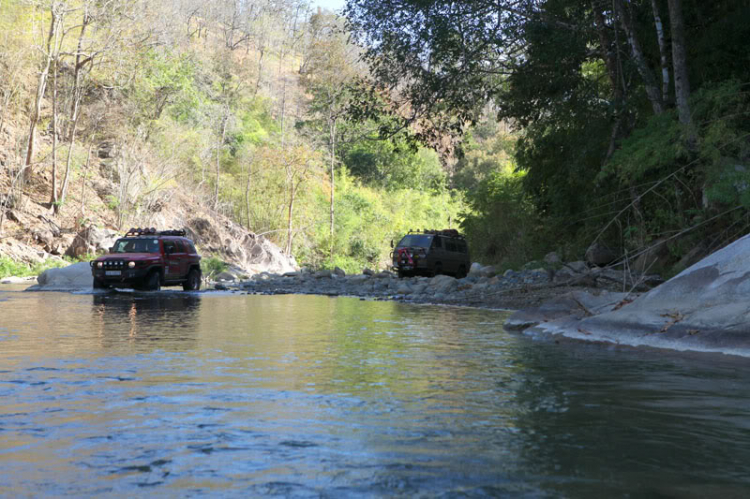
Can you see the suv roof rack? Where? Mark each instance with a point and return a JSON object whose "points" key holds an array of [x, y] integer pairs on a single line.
{"points": [[150, 231], [439, 232]]}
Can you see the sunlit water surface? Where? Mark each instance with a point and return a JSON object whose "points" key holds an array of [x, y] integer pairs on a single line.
{"points": [[182, 395]]}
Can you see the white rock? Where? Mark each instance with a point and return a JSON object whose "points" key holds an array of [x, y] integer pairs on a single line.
{"points": [[552, 257], [476, 268], [13, 280], [73, 277]]}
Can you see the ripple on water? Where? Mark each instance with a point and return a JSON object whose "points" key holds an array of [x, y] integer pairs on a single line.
{"points": [[183, 394]]}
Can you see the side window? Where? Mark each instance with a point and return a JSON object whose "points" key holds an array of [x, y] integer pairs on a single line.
{"points": [[180, 246], [462, 246], [190, 248], [451, 246], [436, 243], [169, 247]]}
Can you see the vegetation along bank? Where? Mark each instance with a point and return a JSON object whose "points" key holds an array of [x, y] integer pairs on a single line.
{"points": [[616, 128]]}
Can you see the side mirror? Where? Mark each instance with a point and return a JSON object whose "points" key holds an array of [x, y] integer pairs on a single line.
{"points": [[391, 243], [112, 249]]}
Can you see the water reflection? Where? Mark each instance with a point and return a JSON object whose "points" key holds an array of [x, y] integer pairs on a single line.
{"points": [[168, 318], [187, 394]]}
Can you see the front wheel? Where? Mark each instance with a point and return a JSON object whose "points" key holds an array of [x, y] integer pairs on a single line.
{"points": [[437, 270], [98, 284], [153, 282], [193, 282]]}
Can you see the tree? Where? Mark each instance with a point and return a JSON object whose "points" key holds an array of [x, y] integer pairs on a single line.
{"points": [[56, 11], [576, 79], [327, 71]]}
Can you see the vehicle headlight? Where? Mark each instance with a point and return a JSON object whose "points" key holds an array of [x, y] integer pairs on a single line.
{"points": [[99, 264], [131, 264]]}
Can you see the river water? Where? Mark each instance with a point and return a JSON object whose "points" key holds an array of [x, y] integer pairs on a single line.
{"points": [[178, 395]]}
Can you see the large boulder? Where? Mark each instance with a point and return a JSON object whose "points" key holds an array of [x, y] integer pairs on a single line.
{"points": [[248, 251], [655, 259], [443, 283], [91, 240], [704, 308], [76, 277], [600, 255]]}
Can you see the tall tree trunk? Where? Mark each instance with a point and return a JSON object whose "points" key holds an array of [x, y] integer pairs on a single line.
{"points": [[333, 180], [76, 91], [649, 82], [53, 195], [40, 90], [220, 145], [64, 189], [679, 62], [662, 52], [607, 52], [247, 193], [289, 229], [262, 51], [283, 93], [83, 181], [75, 105]]}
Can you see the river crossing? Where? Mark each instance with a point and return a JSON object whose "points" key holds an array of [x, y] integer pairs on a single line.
{"points": [[177, 394]]}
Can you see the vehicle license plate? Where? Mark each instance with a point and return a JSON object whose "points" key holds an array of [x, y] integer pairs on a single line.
{"points": [[111, 272]]}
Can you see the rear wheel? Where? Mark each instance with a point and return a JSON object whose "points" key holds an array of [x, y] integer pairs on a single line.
{"points": [[193, 282], [153, 282], [461, 272]]}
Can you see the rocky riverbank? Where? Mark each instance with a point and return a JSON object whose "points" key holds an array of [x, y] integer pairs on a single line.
{"points": [[703, 309], [481, 288]]}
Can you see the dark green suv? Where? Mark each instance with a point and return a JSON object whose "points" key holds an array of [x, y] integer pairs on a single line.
{"points": [[432, 252]]}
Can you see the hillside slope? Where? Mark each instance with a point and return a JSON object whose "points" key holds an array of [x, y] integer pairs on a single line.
{"points": [[31, 232]]}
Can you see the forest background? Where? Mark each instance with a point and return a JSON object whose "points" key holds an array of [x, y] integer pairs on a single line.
{"points": [[530, 125]]}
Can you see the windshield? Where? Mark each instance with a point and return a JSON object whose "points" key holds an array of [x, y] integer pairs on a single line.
{"points": [[136, 246], [415, 241]]}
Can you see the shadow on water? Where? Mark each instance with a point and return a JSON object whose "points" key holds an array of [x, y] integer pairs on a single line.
{"points": [[594, 421]]}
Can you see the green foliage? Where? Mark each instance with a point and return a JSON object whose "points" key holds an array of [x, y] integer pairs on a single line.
{"points": [[9, 267], [368, 219], [502, 226], [651, 149], [393, 164], [211, 266], [484, 151], [169, 82]]}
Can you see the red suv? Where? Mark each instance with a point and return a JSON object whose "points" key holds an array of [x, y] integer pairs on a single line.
{"points": [[147, 259]]}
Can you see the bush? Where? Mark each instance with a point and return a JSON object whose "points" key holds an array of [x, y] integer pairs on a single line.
{"points": [[9, 267], [212, 266], [503, 226]]}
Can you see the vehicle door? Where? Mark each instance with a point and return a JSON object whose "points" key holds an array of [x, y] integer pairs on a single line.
{"points": [[171, 260], [436, 252], [182, 255], [450, 261]]}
